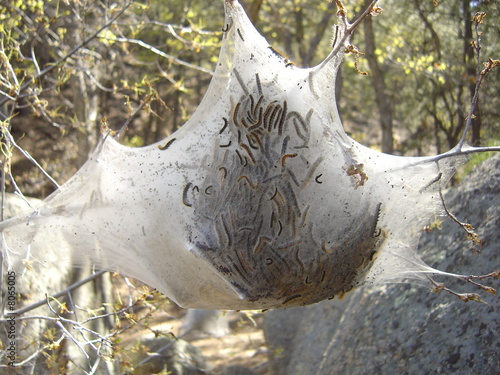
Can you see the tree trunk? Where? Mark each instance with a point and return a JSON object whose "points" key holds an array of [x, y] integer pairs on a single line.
{"points": [[321, 28], [470, 63], [383, 101], [86, 100], [252, 10]]}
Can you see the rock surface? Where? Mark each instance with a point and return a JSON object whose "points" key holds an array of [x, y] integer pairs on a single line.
{"points": [[175, 357], [206, 322], [407, 329]]}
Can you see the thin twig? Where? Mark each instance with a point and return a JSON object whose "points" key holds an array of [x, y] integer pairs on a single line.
{"points": [[159, 53], [480, 74], [57, 295], [453, 153], [470, 279], [2, 187], [95, 367], [464, 297], [58, 63], [29, 157], [70, 336], [64, 320], [366, 12], [348, 28], [37, 352], [184, 29], [131, 117], [6, 157], [471, 234], [33, 57], [475, 99]]}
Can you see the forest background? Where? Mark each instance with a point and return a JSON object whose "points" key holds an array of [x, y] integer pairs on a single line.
{"points": [[71, 68]]}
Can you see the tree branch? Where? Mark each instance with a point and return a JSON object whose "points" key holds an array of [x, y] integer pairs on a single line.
{"points": [[58, 63], [159, 53], [57, 295], [348, 28], [480, 74]]}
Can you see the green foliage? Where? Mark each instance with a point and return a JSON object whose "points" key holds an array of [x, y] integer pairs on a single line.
{"points": [[134, 141], [429, 69], [425, 58], [152, 64], [474, 161], [68, 68]]}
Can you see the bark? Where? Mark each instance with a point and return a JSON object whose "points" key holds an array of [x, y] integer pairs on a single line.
{"points": [[382, 98], [436, 41], [470, 63], [86, 99], [86, 102], [252, 10], [320, 32]]}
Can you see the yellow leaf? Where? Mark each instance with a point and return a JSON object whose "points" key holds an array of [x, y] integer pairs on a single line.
{"points": [[107, 37]]}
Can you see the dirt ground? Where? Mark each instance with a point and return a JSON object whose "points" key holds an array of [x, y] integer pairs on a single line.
{"points": [[243, 347]]}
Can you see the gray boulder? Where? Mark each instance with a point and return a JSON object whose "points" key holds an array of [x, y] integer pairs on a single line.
{"points": [[407, 329], [168, 355], [213, 323]]}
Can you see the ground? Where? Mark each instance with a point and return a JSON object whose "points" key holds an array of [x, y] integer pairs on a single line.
{"points": [[244, 346]]}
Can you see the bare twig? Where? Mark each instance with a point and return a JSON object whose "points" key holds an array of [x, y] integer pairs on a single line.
{"points": [[70, 336], [58, 63], [470, 279], [57, 295], [7, 142], [348, 28], [58, 318], [37, 352], [481, 73], [453, 153], [464, 297], [471, 234], [461, 148], [2, 187], [131, 117], [184, 29], [28, 156], [159, 53]]}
